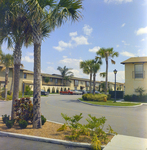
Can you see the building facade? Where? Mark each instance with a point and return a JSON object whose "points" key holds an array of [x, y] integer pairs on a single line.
{"points": [[135, 74], [51, 82]]}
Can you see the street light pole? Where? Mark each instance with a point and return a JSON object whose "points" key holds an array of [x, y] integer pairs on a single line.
{"points": [[115, 72]]}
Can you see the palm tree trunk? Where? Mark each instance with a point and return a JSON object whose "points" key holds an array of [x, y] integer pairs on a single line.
{"points": [[90, 81], [106, 74], [17, 63], [12, 81], [94, 75], [6, 82], [37, 90]]}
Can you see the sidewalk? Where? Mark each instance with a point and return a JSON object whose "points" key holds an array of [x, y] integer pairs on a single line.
{"points": [[123, 142]]}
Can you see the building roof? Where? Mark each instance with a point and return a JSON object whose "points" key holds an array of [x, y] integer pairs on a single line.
{"points": [[135, 60]]}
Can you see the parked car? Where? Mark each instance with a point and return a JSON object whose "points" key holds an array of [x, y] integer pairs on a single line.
{"points": [[84, 92], [44, 93], [77, 92], [70, 92], [96, 92]]}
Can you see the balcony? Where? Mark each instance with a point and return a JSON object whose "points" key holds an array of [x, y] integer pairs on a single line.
{"points": [[138, 74], [54, 84]]}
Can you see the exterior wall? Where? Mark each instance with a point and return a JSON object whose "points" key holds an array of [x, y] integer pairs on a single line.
{"points": [[132, 83]]}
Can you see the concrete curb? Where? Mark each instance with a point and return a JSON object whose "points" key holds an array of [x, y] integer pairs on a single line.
{"points": [[48, 140], [111, 106]]}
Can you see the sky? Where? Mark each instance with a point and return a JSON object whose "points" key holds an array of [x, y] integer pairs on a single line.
{"points": [[120, 24]]}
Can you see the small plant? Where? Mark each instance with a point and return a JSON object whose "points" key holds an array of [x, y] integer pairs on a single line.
{"points": [[95, 143], [23, 124], [43, 119], [5, 118], [9, 123], [110, 130], [63, 127]]}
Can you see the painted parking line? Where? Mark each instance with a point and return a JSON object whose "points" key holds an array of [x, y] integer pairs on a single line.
{"points": [[80, 111]]}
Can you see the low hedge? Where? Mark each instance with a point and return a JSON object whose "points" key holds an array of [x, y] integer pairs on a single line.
{"points": [[135, 98], [96, 97]]}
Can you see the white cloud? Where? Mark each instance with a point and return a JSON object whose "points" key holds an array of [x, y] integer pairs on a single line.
{"points": [[51, 70], [28, 59], [143, 40], [73, 34], [80, 40], [117, 45], [64, 56], [123, 25], [142, 52], [141, 31], [95, 49], [120, 76], [62, 46], [87, 29], [30, 54], [50, 63], [125, 43], [75, 64], [128, 54], [118, 1]]}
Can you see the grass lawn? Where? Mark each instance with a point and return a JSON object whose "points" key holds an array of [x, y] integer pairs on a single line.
{"points": [[111, 103]]}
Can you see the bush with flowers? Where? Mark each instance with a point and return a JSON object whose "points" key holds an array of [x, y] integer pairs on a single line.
{"points": [[23, 109]]}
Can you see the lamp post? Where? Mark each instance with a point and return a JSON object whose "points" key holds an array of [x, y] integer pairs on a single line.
{"points": [[115, 72]]}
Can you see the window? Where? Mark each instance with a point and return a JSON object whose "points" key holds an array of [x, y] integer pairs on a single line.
{"points": [[87, 83], [82, 82], [25, 76], [51, 79], [139, 71], [56, 80], [76, 82]]}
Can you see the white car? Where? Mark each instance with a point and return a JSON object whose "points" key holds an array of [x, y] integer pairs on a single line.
{"points": [[76, 92]]}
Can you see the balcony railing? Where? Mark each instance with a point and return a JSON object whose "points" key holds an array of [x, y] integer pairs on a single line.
{"points": [[55, 84], [138, 74]]}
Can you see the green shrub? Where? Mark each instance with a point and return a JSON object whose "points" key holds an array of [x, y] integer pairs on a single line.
{"points": [[2, 94], [108, 96], [5, 118], [96, 97], [135, 98], [23, 124], [9, 123], [43, 119]]}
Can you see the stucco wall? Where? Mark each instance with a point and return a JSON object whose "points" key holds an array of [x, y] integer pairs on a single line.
{"points": [[132, 83]]}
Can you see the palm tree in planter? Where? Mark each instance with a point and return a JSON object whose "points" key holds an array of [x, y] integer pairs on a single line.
{"points": [[106, 54], [15, 30], [87, 67], [6, 61], [44, 16], [66, 74]]}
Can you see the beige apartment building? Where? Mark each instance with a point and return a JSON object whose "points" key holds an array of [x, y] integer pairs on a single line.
{"points": [[135, 74], [54, 82]]}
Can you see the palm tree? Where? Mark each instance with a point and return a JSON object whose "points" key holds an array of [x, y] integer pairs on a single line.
{"points": [[44, 16], [95, 67], [87, 68], [66, 74], [107, 53], [14, 30], [6, 61]]}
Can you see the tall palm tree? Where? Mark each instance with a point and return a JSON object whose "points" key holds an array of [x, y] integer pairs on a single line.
{"points": [[96, 63], [14, 30], [66, 74], [87, 69], [107, 53], [6, 61], [44, 16]]}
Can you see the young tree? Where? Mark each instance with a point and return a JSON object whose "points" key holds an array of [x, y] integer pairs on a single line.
{"points": [[87, 69], [6, 61], [106, 54], [65, 73]]}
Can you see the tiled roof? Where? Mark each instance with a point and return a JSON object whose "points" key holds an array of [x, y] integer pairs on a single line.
{"points": [[135, 60]]}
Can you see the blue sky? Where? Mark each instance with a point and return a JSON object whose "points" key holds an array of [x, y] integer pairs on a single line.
{"points": [[121, 24]]}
